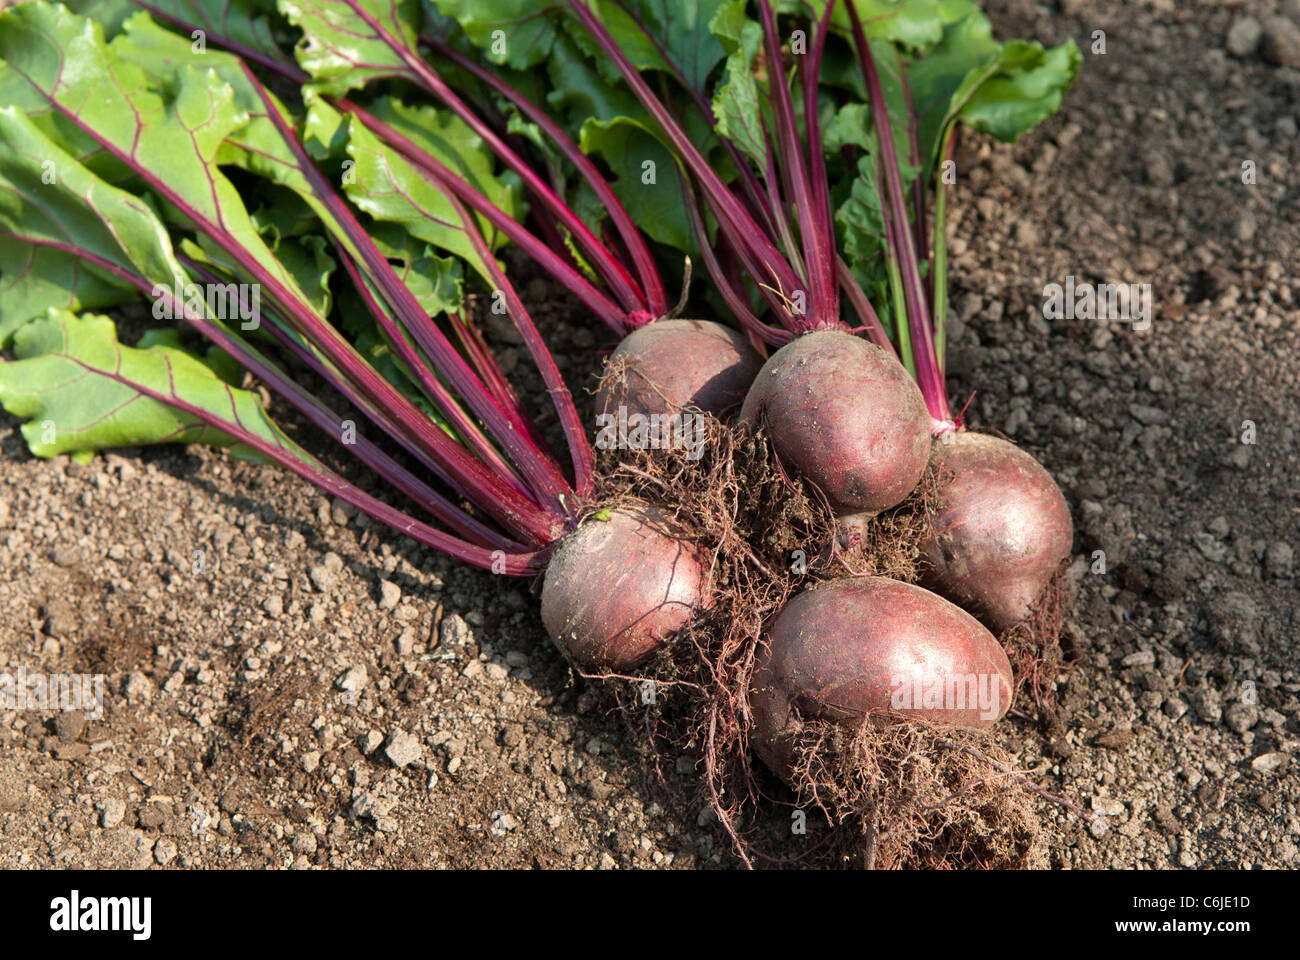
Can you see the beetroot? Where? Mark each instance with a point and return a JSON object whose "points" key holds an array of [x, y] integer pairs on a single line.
{"points": [[867, 645], [677, 365], [845, 414], [619, 587], [1001, 528]]}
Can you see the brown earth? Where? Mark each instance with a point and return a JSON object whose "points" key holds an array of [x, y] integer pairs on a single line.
{"points": [[260, 702]]}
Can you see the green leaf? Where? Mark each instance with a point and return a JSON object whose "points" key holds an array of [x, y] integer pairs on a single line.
{"points": [[449, 139], [383, 184], [33, 279], [658, 35], [341, 51], [247, 22], [436, 282], [916, 25], [176, 140], [849, 126], [80, 213], [682, 28], [580, 91], [1025, 92], [737, 106], [305, 256], [1003, 90], [309, 260], [215, 359], [861, 220], [379, 352], [255, 145], [647, 179], [512, 33], [860, 225], [81, 390], [286, 215], [112, 96]]}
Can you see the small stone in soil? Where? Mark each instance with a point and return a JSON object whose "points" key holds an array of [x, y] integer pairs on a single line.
{"points": [[454, 631], [1280, 42], [111, 812], [1240, 717], [403, 749], [164, 851], [352, 680], [139, 689], [60, 620], [405, 642], [323, 578], [1243, 36], [1279, 560], [1268, 762], [1107, 806], [70, 725]]}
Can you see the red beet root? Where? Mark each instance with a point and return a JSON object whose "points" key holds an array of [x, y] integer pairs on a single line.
{"points": [[675, 365], [868, 645], [1001, 529], [847, 416], [618, 589]]}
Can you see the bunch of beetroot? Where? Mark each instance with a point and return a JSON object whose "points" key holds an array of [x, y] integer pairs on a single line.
{"points": [[844, 414]]}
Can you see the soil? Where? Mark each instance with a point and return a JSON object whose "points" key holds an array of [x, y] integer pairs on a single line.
{"points": [[290, 686]]}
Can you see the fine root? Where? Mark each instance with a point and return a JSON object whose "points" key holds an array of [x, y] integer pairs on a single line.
{"points": [[888, 792]]}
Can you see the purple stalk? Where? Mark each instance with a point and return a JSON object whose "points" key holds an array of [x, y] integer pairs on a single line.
{"points": [[749, 180], [287, 70], [514, 564], [656, 297], [488, 491], [471, 340], [561, 399], [611, 313], [730, 292], [857, 297], [619, 279], [420, 371], [331, 423], [928, 376], [299, 347], [573, 280], [425, 332], [819, 261], [541, 473], [311, 407], [810, 71], [920, 215], [746, 235], [425, 378]]}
